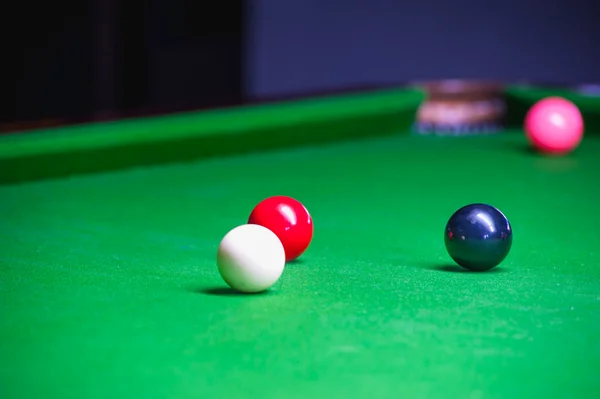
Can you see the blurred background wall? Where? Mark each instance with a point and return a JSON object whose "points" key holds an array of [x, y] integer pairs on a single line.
{"points": [[70, 59], [299, 45]]}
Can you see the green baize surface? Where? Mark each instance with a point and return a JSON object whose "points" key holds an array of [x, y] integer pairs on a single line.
{"points": [[109, 287]]}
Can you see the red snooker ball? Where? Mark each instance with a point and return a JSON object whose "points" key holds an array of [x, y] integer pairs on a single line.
{"points": [[289, 220], [554, 125]]}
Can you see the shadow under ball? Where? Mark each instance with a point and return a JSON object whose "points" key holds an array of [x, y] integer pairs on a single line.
{"points": [[478, 237]]}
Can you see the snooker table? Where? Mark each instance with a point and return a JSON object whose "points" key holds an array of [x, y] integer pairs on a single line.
{"points": [[108, 237]]}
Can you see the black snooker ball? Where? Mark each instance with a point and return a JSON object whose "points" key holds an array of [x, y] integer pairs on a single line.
{"points": [[478, 237]]}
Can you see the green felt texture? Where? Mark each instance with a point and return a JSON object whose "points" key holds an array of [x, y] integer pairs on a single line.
{"points": [[98, 147], [109, 288], [106, 146]]}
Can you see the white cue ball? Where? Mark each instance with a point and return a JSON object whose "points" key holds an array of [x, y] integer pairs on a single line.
{"points": [[250, 258]]}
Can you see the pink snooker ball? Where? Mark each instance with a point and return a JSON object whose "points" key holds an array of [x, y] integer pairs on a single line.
{"points": [[554, 125]]}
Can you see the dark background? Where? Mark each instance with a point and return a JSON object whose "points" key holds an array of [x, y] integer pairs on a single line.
{"points": [[88, 58], [93, 58], [299, 45]]}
